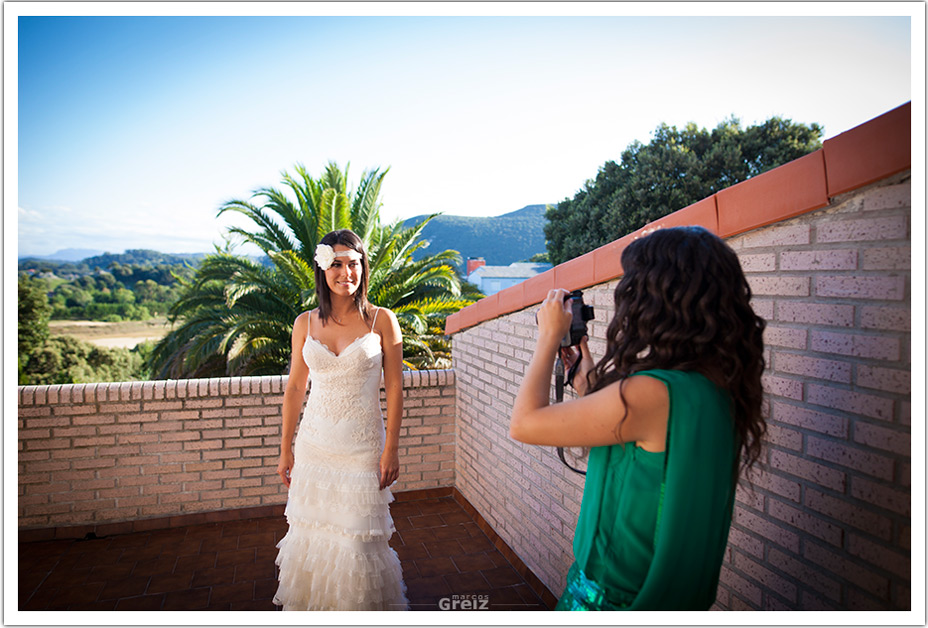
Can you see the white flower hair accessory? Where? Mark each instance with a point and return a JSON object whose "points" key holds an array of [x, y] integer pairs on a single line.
{"points": [[325, 256]]}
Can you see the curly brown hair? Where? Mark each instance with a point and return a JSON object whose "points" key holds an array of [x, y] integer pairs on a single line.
{"points": [[684, 304]]}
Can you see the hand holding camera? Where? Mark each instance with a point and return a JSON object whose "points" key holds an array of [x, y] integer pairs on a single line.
{"points": [[564, 315], [562, 318]]}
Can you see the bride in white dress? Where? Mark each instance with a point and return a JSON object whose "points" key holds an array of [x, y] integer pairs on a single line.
{"points": [[335, 555]]}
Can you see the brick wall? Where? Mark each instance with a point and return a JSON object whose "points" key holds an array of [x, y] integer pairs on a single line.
{"points": [[827, 522], [103, 453], [523, 491]]}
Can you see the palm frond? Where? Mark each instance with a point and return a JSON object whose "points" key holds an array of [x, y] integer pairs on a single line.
{"points": [[270, 230], [235, 316]]}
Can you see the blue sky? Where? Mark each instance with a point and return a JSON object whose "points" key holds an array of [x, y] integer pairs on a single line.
{"points": [[133, 130]]}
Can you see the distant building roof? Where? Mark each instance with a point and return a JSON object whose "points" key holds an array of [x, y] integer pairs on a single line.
{"points": [[519, 270]]}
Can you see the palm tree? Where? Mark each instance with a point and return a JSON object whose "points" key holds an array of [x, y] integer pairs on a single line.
{"points": [[236, 315]]}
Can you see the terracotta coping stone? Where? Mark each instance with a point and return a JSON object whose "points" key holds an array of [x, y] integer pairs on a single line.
{"points": [[576, 273], [536, 288], [607, 259], [487, 308], [511, 299], [872, 151], [792, 189]]}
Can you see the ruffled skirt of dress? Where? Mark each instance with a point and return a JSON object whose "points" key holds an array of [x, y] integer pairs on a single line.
{"points": [[335, 555]]}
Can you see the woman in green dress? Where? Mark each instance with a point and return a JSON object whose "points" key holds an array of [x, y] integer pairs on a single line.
{"points": [[672, 415]]}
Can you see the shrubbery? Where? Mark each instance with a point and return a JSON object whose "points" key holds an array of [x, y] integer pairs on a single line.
{"points": [[67, 360], [45, 359]]}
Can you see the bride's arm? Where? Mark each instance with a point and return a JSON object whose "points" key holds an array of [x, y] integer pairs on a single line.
{"points": [[392, 343], [293, 396]]}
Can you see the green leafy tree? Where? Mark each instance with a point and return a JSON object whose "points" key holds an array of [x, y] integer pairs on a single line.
{"points": [[34, 313], [67, 360], [677, 168], [45, 359], [540, 258], [235, 315]]}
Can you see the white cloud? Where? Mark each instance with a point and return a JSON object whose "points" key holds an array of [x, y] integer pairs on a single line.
{"points": [[29, 214]]}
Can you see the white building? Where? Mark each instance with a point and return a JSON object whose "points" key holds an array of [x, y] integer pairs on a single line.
{"points": [[492, 279]]}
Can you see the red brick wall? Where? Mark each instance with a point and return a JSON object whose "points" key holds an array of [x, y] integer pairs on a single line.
{"points": [[827, 522], [103, 453]]}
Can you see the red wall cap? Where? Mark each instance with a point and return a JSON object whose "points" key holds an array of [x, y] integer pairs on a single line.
{"points": [[867, 153], [453, 323], [511, 299], [702, 213], [792, 189], [536, 288], [487, 307], [576, 273], [870, 152], [465, 317], [607, 259]]}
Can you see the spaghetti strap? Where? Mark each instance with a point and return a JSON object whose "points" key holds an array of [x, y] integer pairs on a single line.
{"points": [[376, 312]]}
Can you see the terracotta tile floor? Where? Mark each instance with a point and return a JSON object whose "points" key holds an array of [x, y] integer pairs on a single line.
{"points": [[230, 565]]}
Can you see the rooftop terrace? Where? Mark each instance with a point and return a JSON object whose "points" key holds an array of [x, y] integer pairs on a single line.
{"points": [[176, 478], [229, 565]]}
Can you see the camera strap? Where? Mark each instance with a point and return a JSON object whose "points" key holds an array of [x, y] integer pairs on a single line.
{"points": [[558, 398]]}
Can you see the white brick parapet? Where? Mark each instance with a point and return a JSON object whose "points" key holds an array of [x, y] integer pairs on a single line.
{"points": [[92, 454]]}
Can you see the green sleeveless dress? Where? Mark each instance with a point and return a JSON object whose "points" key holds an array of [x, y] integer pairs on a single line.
{"points": [[653, 526]]}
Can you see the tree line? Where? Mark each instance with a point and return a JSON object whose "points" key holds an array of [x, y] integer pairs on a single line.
{"points": [[47, 359], [123, 291], [675, 169], [137, 286]]}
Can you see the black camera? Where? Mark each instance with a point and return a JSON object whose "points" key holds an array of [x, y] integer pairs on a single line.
{"points": [[581, 314]]}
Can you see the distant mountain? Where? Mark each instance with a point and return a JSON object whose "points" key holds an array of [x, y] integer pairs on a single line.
{"points": [[500, 240], [103, 261], [142, 256], [65, 255]]}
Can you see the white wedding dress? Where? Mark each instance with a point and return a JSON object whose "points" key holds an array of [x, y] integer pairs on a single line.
{"points": [[335, 555]]}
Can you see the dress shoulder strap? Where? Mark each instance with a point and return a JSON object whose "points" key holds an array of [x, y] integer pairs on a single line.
{"points": [[374, 322]]}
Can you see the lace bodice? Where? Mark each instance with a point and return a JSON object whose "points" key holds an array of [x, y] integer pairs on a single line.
{"points": [[343, 414]]}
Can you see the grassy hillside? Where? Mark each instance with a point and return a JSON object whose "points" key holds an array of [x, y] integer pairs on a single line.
{"points": [[500, 240]]}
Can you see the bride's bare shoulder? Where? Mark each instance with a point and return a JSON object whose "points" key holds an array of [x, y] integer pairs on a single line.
{"points": [[385, 322], [302, 321]]}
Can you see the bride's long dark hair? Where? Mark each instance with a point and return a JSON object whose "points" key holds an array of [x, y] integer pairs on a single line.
{"points": [[684, 304]]}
